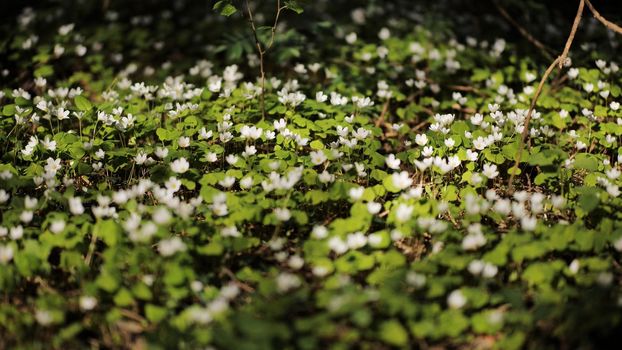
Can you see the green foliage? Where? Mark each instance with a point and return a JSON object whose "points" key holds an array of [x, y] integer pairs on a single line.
{"points": [[146, 201]]}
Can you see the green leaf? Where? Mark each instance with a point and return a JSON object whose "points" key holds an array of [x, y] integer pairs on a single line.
{"points": [[123, 298], [392, 332], [316, 144], [82, 103], [452, 323], [294, 6], [108, 230], [539, 273], [155, 313], [44, 71], [588, 201], [225, 8], [586, 161]]}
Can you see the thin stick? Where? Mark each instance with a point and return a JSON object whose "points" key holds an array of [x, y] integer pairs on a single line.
{"points": [[573, 31], [559, 61], [279, 8], [261, 52], [546, 52], [262, 49], [610, 25]]}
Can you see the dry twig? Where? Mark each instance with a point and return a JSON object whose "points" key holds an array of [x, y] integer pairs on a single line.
{"points": [[546, 52], [263, 49], [559, 61], [608, 24]]}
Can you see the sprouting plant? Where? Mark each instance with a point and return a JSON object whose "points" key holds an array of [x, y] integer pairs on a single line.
{"points": [[227, 8]]}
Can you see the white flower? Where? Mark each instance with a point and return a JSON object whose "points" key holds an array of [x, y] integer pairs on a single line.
{"points": [[16, 232], [81, 50], [57, 226], [75, 206], [449, 142], [490, 171], [295, 262], [140, 158], [211, 157], [26, 216], [286, 281], [246, 182], [427, 151], [614, 105], [232, 159], [613, 190], [227, 181], [362, 102], [404, 212], [280, 124], [251, 132], [473, 241], [574, 266], [319, 232], [161, 152], [326, 177], [318, 157], [374, 239], [183, 141], [421, 139], [490, 270], [180, 165], [356, 193], [249, 150], [613, 173], [393, 162], [171, 246], [563, 114], [356, 240], [337, 245], [558, 201], [204, 134], [30, 202], [475, 267], [471, 155], [374, 207], [321, 96], [6, 254], [351, 38], [161, 216], [415, 279], [230, 231], [528, 223], [4, 196], [43, 317], [87, 303], [62, 114], [401, 180], [384, 33], [456, 299], [48, 144], [282, 214], [358, 15]]}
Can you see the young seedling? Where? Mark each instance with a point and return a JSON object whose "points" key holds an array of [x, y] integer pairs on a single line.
{"points": [[227, 8]]}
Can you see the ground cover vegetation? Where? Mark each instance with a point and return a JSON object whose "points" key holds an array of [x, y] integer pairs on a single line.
{"points": [[319, 174]]}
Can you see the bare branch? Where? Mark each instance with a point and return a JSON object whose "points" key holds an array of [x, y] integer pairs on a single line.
{"points": [[559, 61], [608, 24], [573, 31], [546, 52]]}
